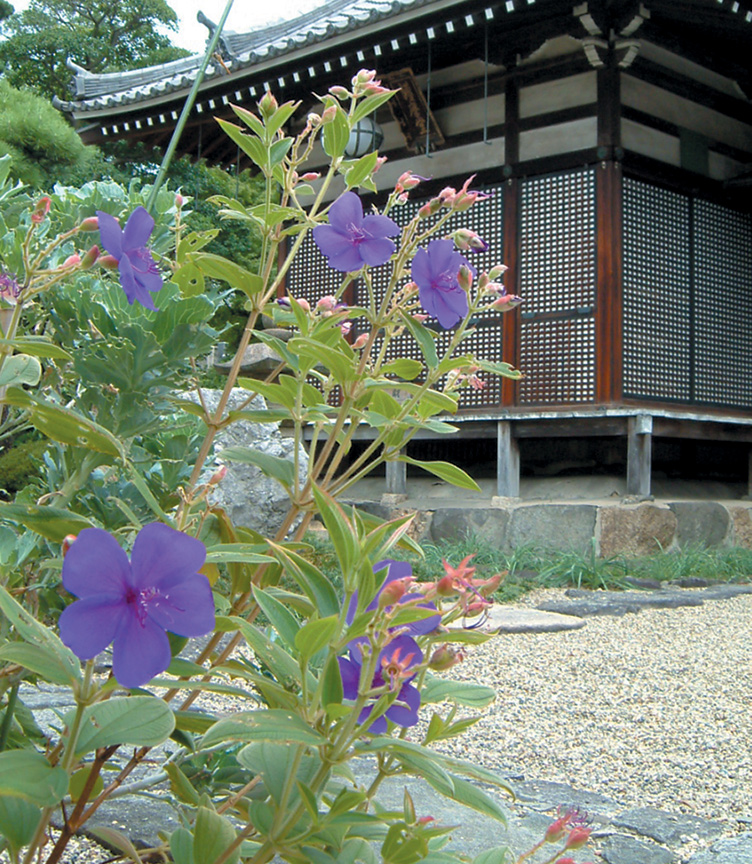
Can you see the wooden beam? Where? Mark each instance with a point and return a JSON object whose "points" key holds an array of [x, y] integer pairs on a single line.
{"points": [[510, 335]]}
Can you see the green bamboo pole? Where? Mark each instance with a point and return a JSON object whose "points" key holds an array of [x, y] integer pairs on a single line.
{"points": [[187, 107]]}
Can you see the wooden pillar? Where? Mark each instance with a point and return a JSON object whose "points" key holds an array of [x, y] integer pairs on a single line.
{"points": [[510, 336], [609, 244], [639, 454], [396, 478], [508, 461]]}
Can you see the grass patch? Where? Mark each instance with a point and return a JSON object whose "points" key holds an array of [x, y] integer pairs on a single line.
{"points": [[530, 568]]}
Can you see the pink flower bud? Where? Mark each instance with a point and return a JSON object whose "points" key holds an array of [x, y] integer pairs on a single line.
{"points": [[303, 303], [393, 592], [314, 119], [487, 586], [329, 114], [310, 176], [420, 317], [340, 93], [71, 261], [328, 303], [360, 342], [41, 209], [497, 271], [268, 104], [91, 223], [444, 658], [68, 541], [425, 820], [108, 262], [577, 838], [363, 77], [445, 586], [379, 162], [507, 302], [565, 861], [90, 258], [408, 181], [465, 278], [218, 476], [345, 328], [469, 241], [179, 200], [430, 208]]}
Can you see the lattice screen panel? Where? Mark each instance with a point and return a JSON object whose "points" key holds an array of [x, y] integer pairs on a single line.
{"points": [[723, 305], [558, 283], [657, 325]]}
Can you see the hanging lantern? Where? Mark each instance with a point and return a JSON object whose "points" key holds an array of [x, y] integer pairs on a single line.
{"points": [[365, 137]]}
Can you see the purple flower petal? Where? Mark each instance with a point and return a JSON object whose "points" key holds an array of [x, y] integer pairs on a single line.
{"points": [[187, 610], [350, 673], [405, 715], [137, 230], [346, 212], [403, 649], [96, 565], [380, 226], [376, 252], [435, 272], [161, 554], [378, 727], [110, 233], [330, 241], [141, 650], [88, 626], [347, 262]]}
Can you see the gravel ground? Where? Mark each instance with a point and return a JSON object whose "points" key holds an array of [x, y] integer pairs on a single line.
{"points": [[651, 709]]}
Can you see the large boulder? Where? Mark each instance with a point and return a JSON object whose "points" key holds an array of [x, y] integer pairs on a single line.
{"points": [[251, 499]]}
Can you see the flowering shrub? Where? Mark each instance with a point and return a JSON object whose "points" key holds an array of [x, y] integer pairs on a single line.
{"points": [[333, 674]]}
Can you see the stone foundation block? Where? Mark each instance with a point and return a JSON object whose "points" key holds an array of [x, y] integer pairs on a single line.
{"points": [[703, 523], [637, 531], [565, 527]]}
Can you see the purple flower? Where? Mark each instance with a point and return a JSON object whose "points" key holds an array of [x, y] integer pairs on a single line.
{"points": [[435, 271], [397, 661], [133, 604], [9, 288], [396, 666], [138, 269], [351, 240]]}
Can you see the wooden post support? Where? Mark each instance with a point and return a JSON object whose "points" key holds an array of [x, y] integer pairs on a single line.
{"points": [[639, 453], [396, 478], [749, 474], [507, 461]]}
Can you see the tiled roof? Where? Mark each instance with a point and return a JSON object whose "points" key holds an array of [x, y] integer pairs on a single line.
{"points": [[240, 50]]}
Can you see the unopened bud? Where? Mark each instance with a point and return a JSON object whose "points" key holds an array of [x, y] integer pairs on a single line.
{"points": [[91, 223], [430, 208], [310, 176], [345, 328], [556, 830], [445, 586], [426, 820], [41, 209], [498, 270], [303, 303], [108, 262], [444, 658], [577, 838], [329, 114], [90, 258], [268, 104], [360, 342], [469, 241], [465, 277], [486, 587], [565, 861], [392, 593], [408, 181], [447, 194], [71, 261], [314, 119], [380, 160], [68, 541], [507, 302], [327, 303], [218, 476], [340, 93], [179, 200], [420, 317]]}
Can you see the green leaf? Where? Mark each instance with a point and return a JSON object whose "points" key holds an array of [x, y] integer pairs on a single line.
{"points": [[446, 471], [194, 242], [49, 522], [250, 120], [339, 360], [279, 150], [249, 144], [78, 782], [276, 763], [20, 369], [18, 821], [64, 425], [370, 104], [113, 838], [190, 280], [311, 580], [425, 339], [470, 795], [403, 367], [497, 855], [140, 720], [271, 724], [361, 169], [38, 346], [272, 654], [28, 775], [462, 692], [242, 553], [504, 370], [283, 621], [341, 532], [331, 691], [39, 660], [315, 635], [36, 634], [336, 134], [281, 470], [181, 846], [212, 835], [217, 267], [180, 785]]}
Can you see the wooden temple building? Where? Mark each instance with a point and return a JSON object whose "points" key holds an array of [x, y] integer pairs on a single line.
{"points": [[617, 137]]}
